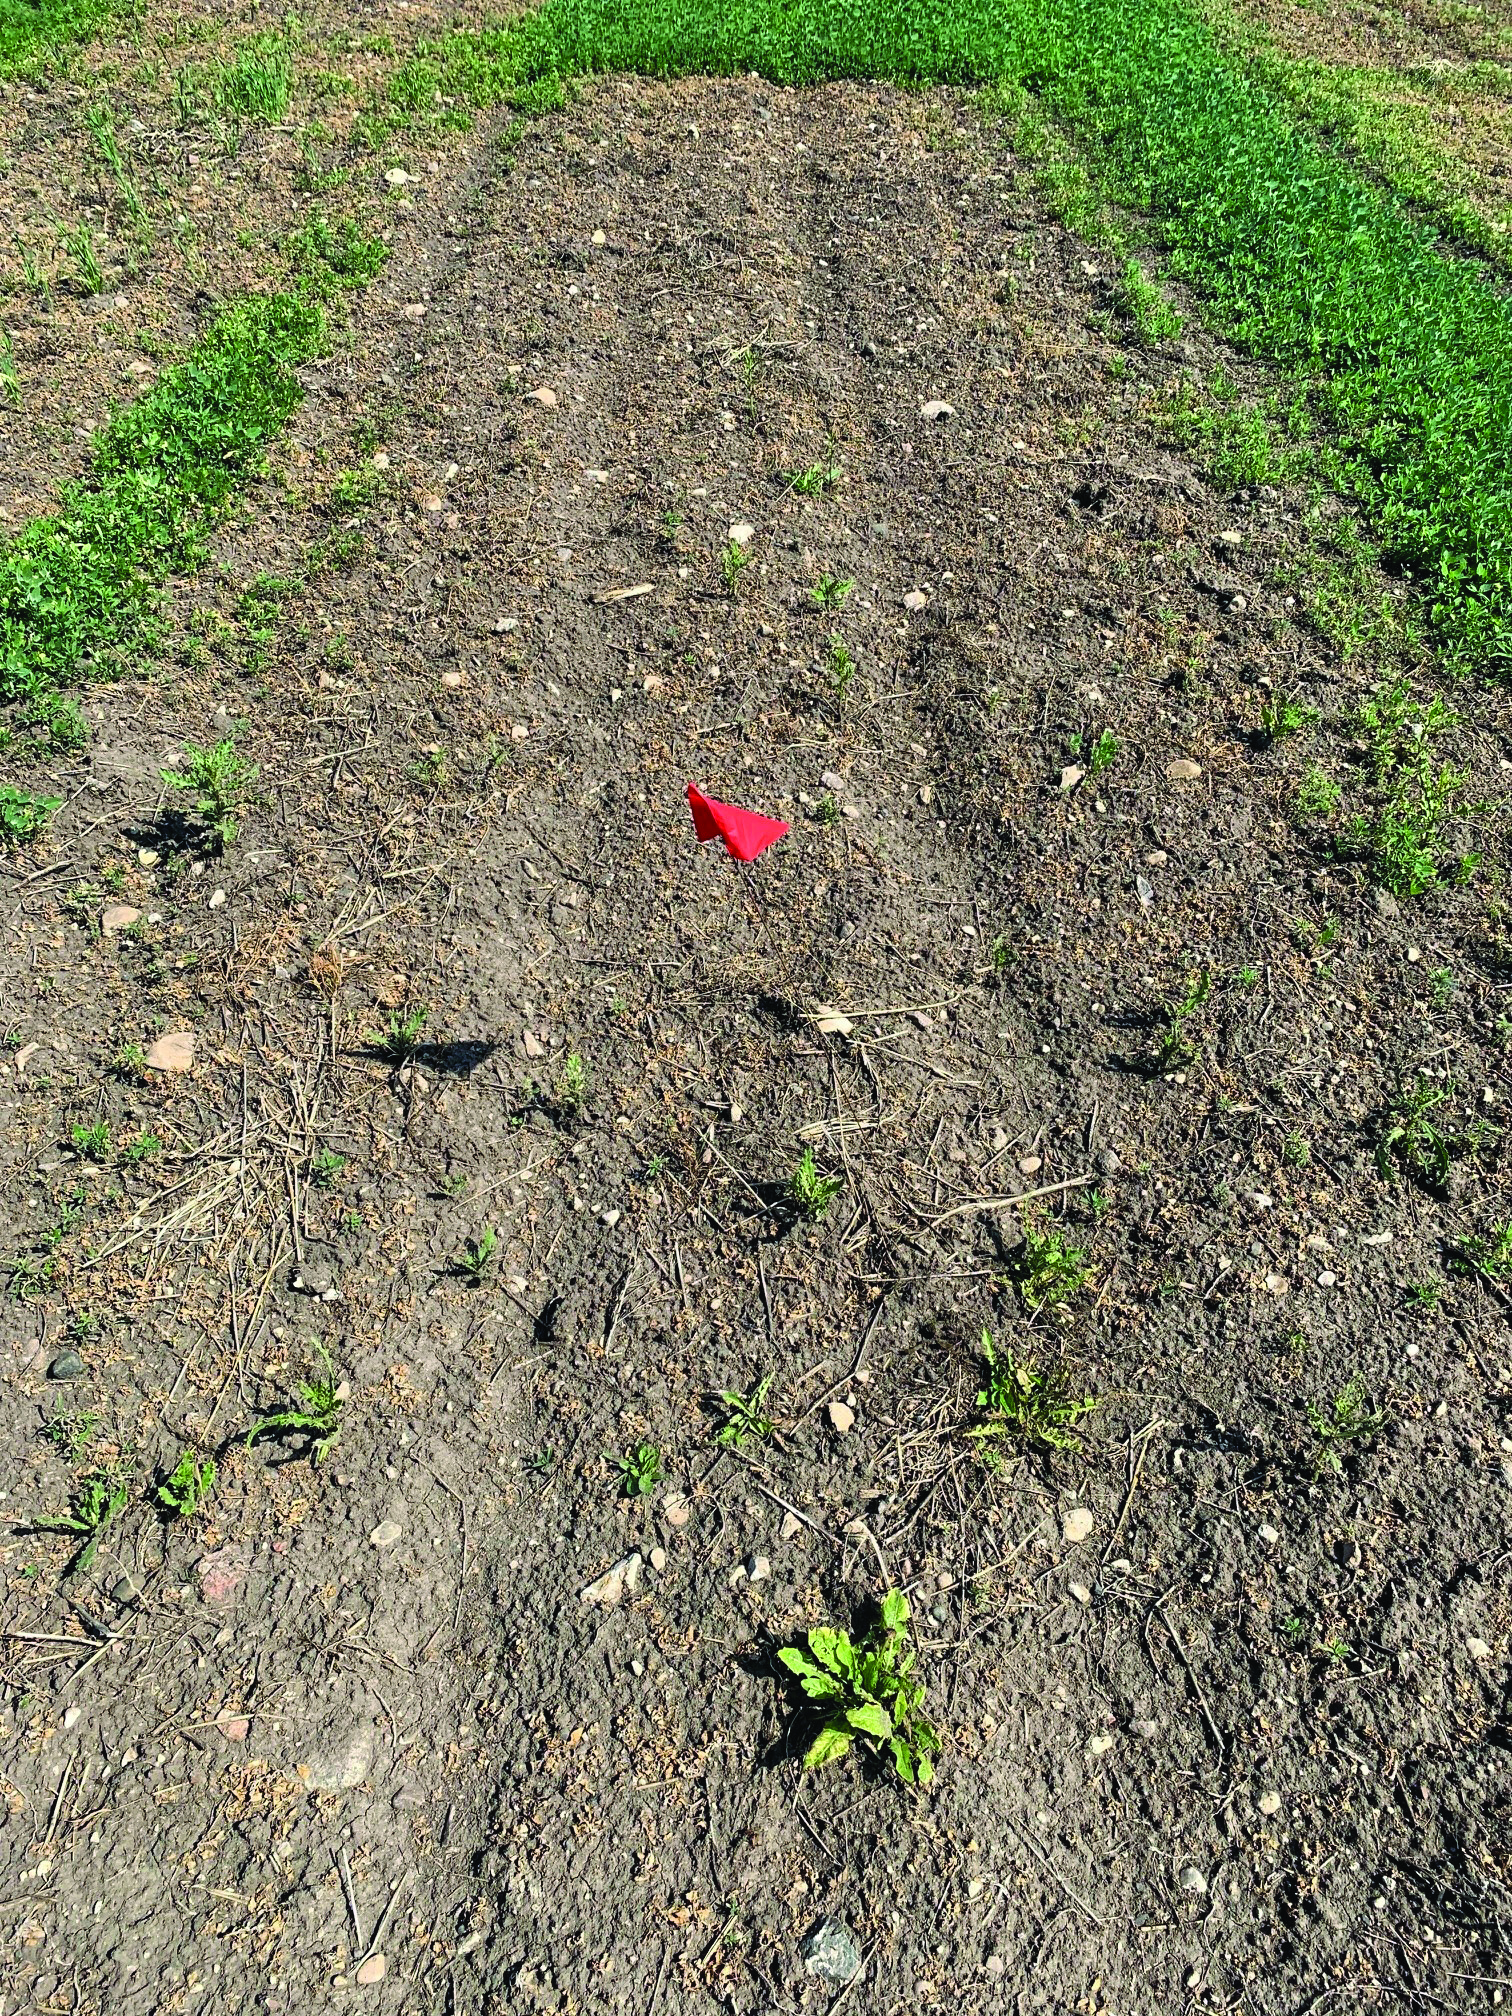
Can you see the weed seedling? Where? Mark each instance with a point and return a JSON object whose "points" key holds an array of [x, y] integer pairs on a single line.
{"points": [[1346, 1418], [1177, 1045], [10, 377], [1047, 1269], [1282, 714], [1295, 1152], [476, 1257], [829, 591], [316, 1412], [327, 1167], [23, 815], [219, 780], [732, 561], [69, 1433], [1490, 1258], [572, 1085], [80, 247], [640, 1471], [746, 1416], [98, 1500], [842, 667], [93, 1141], [1414, 1140], [810, 1193], [1022, 1398], [866, 1690], [814, 480], [398, 1043], [1422, 1294], [1317, 794], [187, 1485]]}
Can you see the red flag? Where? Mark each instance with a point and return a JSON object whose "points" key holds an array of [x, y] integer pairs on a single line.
{"points": [[746, 834]]}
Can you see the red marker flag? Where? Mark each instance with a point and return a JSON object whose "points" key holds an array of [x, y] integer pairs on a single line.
{"points": [[746, 834]]}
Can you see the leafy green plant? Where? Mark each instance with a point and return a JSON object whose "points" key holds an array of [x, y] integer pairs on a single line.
{"points": [[1047, 1269], [1177, 1044], [326, 1167], [1295, 1150], [1414, 792], [842, 667], [1412, 1140], [398, 1043], [98, 1500], [1317, 795], [23, 815], [316, 1411], [829, 591], [219, 780], [572, 1085], [640, 1471], [340, 253], [1022, 1397], [746, 1416], [810, 1193], [1491, 1258], [1102, 753], [93, 1140], [142, 1148], [733, 561], [867, 1691], [814, 480], [258, 83], [477, 1256], [1343, 1419], [183, 1491], [1282, 714], [70, 1431]]}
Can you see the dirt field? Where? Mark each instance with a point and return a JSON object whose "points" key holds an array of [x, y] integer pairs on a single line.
{"points": [[1049, 920]]}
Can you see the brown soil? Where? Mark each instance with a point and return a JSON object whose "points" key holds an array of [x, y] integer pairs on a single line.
{"points": [[247, 1749]]}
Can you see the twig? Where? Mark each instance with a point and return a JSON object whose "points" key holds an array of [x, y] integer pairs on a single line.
{"points": [[382, 1925], [1041, 1857], [1136, 1470], [1023, 1197], [1207, 1714], [766, 1492], [351, 1898], [855, 1364]]}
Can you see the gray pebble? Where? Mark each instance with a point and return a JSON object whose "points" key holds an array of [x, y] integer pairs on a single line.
{"points": [[830, 1952], [67, 1365]]}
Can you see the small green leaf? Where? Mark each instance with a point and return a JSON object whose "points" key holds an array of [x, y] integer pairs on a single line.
{"points": [[895, 1610], [870, 1719]]}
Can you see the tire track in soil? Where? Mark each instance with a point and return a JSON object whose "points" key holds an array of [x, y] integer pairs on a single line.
{"points": [[594, 1809]]}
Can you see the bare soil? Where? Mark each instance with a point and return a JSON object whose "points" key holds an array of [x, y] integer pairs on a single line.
{"points": [[1244, 1746]]}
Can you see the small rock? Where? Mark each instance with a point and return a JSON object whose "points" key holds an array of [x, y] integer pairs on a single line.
{"points": [[759, 1568], [1099, 1746], [119, 917], [217, 898], [600, 237], [534, 1047], [67, 1365], [147, 857], [1183, 770], [742, 534], [372, 1971], [1108, 1163], [342, 1762], [1147, 1729], [172, 1053], [413, 311], [126, 1592], [385, 1533], [381, 459], [1144, 890], [1327, 1278], [1386, 904], [658, 1558], [842, 1418], [1071, 776], [1080, 1591], [395, 178], [235, 1728], [451, 681], [1030, 1165], [543, 396], [1193, 1881], [1270, 1802], [221, 1575], [830, 1022], [675, 1509], [1478, 1649], [1230, 538], [832, 781], [71, 1715], [830, 1952], [936, 409], [615, 1583], [915, 599], [1077, 1525], [791, 1526], [430, 502], [1269, 1535]]}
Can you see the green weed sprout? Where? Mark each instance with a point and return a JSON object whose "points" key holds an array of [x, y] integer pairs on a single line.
{"points": [[398, 1043], [572, 1085], [746, 1416], [317, 1412], [640, 1471], [188, 1484], [810, 1193], [829, 591], [733, 561], [1282, 714], [867, 1691], [23, 815], [477, 1255], [98, 1500], [93, 1140], [1346, 1418], [1023, 1398], [219, 779], [1047, 1269], [1177, 1045]]}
